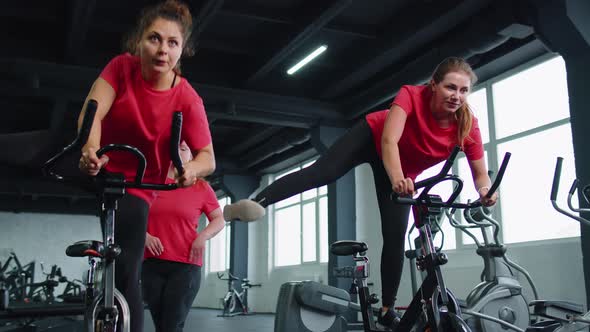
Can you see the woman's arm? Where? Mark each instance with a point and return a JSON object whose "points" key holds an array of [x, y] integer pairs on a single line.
{"points": [[392, 132], [216, 224], [482, 181], [104, 94]]}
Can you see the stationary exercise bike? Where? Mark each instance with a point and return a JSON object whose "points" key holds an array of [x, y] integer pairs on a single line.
{"points": [[315, 307], [105, 308], [234, 302]]}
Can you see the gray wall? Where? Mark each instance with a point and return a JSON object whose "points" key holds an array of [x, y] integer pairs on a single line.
{"points": [[44, 238]]}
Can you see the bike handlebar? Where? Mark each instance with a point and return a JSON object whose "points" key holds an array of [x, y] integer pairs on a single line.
{"points": [[431, 181], [82, 138], [229, 276], [443, 175]]}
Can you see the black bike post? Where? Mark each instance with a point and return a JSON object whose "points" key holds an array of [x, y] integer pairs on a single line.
{"points": [[111, 251], [360, 281]]}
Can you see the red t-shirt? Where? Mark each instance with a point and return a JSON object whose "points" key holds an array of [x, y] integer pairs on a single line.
{"points": [[142, 117], [423, 143], [174, 218]]}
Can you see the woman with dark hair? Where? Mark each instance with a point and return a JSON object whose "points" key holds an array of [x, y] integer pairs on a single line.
{"points": [[137, 93], [421, 128]]}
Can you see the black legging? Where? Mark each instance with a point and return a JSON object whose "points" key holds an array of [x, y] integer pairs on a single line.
{"points": [[130, 228], [169, 289], [352, 149]]}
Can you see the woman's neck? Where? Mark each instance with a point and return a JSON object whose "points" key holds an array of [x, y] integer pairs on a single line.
{"points": [[158, 81], [442, 118]]}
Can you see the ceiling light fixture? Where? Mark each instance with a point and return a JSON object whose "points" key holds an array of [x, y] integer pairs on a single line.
{"points": [[307, 59]]}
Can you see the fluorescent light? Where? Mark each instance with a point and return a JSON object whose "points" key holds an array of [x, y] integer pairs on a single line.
{"points": [[307, 59]]}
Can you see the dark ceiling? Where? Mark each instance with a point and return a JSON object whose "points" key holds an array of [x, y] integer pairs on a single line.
{"points": [[261, 118]]}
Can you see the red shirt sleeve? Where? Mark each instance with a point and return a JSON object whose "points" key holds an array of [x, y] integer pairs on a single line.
{"points": [[113, 72], [196, 126], [404, 100]]}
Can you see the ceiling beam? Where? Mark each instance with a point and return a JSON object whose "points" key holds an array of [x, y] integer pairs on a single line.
{"points": [[248, 13], [397, 44], [205, 16], [278, 104], [254, 139], [262, 118], [279, 144], [55, 79], [280, 162], [478, 36], [304, 31]]}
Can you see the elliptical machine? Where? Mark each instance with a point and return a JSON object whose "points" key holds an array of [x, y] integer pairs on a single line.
{"points": [[563, 316], [497, 302]]}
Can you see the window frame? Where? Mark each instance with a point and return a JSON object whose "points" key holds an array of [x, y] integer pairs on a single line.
{"points": [[301, 203], [227, 231]]}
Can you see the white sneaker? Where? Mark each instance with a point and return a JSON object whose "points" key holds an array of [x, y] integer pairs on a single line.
{"points": [[243, 210]]}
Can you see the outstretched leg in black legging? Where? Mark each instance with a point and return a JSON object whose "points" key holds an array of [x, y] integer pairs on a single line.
{"points": [[352, 149]]}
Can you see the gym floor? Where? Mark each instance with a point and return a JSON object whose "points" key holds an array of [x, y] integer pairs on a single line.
{"points": [[197, 320], [207, 320]]}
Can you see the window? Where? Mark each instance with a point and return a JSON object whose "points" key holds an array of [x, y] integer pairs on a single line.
{"points": [[527, 213], [531, 98], [219, 245], [300, 232], [536, 131]]}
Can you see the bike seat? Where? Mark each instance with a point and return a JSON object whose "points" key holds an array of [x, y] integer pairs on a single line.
{"points": [[88, 248], [346, 247]]}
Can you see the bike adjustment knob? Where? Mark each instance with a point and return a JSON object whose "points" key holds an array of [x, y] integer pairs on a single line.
{"points": [[112, 251], [442, 258], [373, 298]]}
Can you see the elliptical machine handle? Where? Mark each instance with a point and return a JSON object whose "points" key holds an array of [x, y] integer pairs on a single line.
{"points": [[554, 189], [556, 177]]}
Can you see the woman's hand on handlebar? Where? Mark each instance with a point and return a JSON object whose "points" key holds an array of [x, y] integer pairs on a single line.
{"points": [[90, 163], [487, 201], [190, 175], [404, 187]]}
